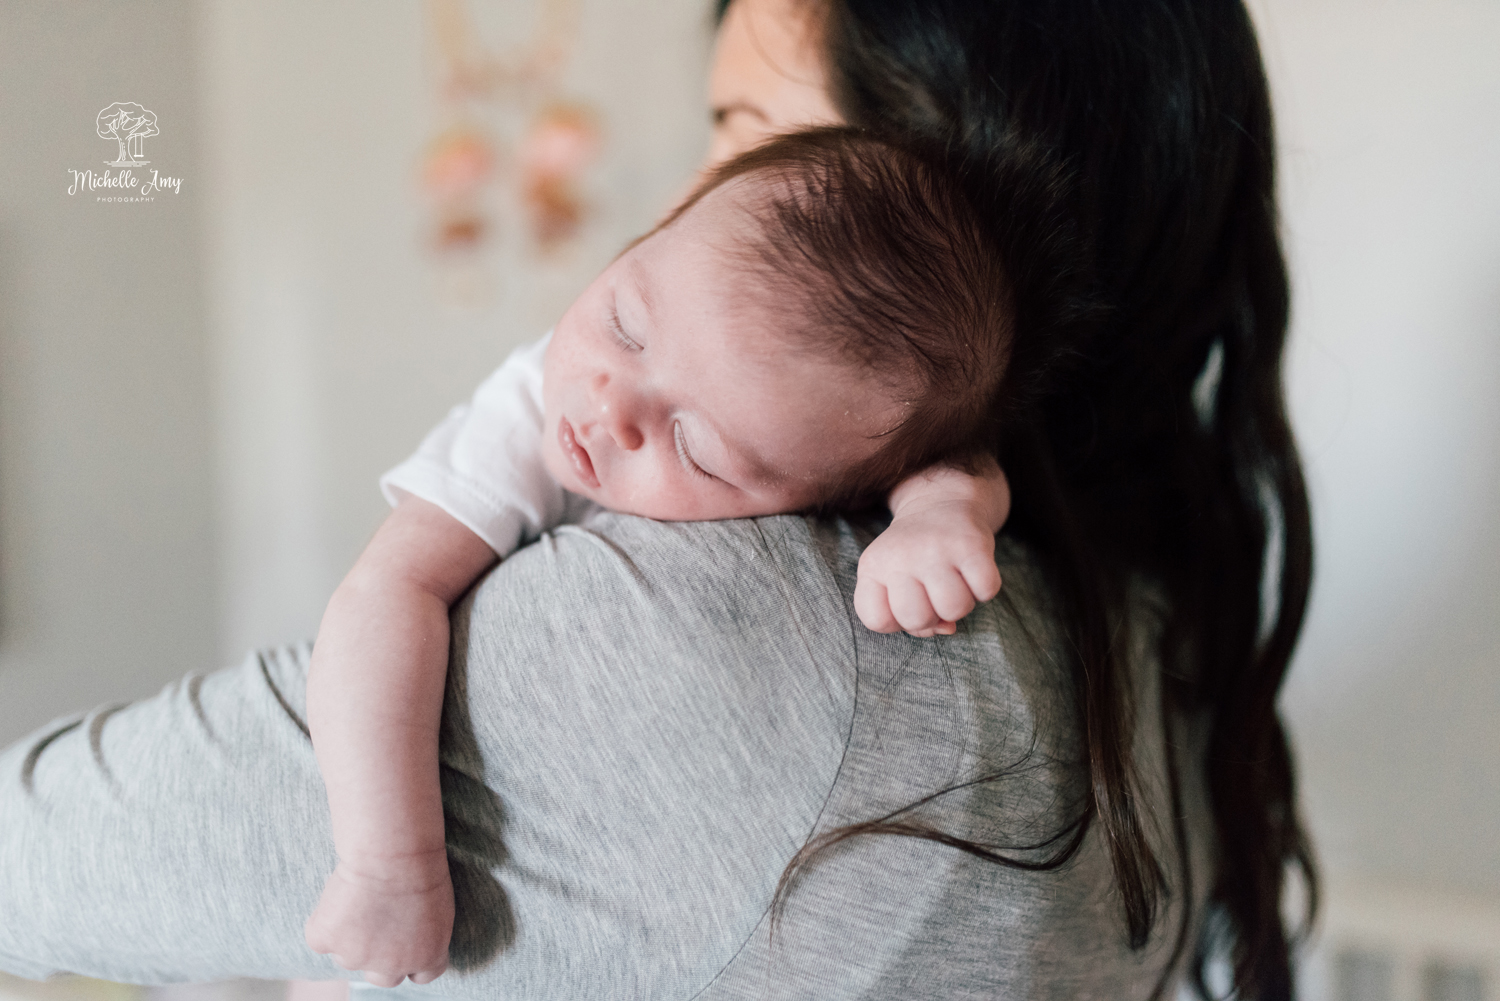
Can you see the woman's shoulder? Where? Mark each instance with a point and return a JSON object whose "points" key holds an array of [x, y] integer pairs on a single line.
{"points": [[670, 712], [646, 584], [777, 587], [777, 584], [662, 710]]}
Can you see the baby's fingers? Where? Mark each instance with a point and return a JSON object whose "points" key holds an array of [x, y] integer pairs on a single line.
{"points": [[949, 593], [873, 606], [319, 936], [982, 577], [392, 977], [379, 979], [912, 608]]}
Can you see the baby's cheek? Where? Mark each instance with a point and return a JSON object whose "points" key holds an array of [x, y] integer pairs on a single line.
{"points": [[661, 495], [552, 457]]}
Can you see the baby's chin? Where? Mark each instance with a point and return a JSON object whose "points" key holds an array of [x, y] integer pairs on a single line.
{"points": [[556, 466], [675, 508], [562, 472], [659, 506]]}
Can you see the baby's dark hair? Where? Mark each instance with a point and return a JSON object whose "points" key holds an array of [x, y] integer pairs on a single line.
{"points": [[881, 252]]}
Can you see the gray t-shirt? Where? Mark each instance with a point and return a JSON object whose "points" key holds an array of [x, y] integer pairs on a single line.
{"points": [[644, 723]]}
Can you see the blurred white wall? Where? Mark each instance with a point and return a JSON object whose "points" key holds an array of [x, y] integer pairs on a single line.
{"points": [[332, 355], [107, 555], [195, 401], [1389, 118], [197, 396]]}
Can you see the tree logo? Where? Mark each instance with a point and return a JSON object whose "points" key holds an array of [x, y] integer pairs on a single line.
{"points": [[127, 124]]}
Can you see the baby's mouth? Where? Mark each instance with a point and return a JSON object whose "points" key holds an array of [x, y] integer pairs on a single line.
{"points": [[577, 455]]}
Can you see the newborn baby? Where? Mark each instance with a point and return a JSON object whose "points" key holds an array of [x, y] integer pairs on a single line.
{"points": [[820, 325]]}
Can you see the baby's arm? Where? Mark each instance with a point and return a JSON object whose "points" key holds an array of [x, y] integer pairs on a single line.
{"points": [[374, 702], [937, 558]]}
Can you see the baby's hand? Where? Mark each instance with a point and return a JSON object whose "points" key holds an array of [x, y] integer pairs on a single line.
{"points": [[937, 558], [390, 920]]}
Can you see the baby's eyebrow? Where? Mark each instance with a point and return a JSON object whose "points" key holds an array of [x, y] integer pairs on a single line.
{"points": [[642, 282]]}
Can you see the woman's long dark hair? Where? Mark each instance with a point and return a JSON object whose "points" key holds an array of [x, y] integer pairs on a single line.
{"points": [[1164, 451]]}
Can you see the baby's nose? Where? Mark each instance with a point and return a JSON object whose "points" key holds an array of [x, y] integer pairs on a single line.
{"points": [[621, 427], [618, 412]]}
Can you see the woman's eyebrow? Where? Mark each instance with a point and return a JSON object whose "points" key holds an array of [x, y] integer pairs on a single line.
{"points": [[722, 111]]}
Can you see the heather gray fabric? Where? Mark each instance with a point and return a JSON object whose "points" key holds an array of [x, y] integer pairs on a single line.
{"points": [[644, 723]]}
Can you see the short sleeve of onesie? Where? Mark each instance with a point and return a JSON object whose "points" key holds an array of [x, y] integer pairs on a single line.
{"points": [[483, 463]]}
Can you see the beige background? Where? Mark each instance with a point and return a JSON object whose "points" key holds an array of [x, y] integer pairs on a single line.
{"points": [[196, 395]]}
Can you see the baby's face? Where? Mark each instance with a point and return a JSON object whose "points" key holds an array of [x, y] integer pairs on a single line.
{"points": [[671, 393]]}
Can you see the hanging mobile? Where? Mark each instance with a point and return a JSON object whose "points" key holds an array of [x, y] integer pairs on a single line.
{"points": [[468, 174]]}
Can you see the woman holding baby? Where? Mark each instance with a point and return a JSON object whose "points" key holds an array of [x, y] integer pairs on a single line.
{"points": [[672, 759]]}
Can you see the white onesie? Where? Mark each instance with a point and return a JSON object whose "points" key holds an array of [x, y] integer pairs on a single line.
{"points": [[483, 463]]}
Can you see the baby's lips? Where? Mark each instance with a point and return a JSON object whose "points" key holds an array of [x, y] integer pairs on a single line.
{"points": [[583, 466]]}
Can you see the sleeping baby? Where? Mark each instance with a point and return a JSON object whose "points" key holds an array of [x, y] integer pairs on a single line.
{"points": [[821, 325]]}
